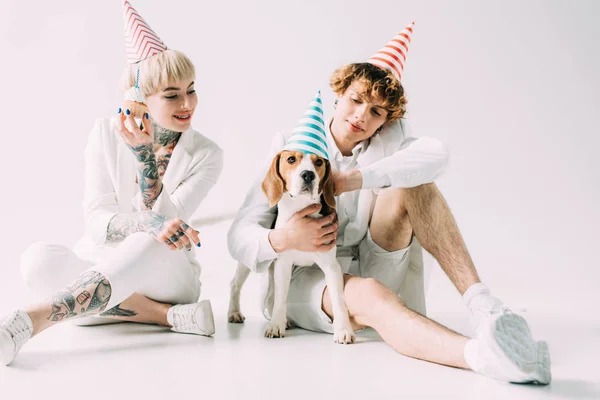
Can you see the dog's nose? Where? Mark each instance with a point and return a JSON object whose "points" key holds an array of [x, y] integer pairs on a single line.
{"points": [[307, 176]]}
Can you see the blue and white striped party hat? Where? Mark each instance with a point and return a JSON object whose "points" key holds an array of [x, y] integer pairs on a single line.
{"points": [[309, 136]]}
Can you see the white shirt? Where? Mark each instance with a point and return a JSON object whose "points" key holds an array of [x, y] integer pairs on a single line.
{"points": [[390, 158]]}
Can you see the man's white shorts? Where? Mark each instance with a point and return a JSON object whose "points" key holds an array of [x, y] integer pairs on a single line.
{"points": [[401, 271]]}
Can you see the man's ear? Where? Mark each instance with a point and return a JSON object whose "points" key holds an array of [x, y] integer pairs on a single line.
{"points": [[326, 186], [273, 185]]}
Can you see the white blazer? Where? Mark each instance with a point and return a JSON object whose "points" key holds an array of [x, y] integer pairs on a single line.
{"points": [[110, 174]]}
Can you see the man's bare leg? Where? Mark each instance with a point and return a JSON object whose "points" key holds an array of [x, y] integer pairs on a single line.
{"points": [[372, 304], [423, 209]]}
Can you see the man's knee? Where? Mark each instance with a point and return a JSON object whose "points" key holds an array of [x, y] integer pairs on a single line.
{"points": [[372, 296]]}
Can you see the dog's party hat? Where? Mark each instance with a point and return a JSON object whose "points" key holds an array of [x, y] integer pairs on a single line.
{"points": [[393, 55], [141, 41], [309, 136]]}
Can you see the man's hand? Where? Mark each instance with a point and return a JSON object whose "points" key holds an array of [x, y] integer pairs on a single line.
{"points": [[346, 181], [304, 233]]}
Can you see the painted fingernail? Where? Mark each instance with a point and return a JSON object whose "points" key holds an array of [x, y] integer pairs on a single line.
{"points": [[199, 244], [119, 112], [146, 115], [127, 111]]}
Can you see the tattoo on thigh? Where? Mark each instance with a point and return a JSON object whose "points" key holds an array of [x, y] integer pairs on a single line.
{"points": [[117, 311]]}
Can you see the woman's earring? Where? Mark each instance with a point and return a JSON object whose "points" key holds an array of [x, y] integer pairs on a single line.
{"points": [[379, 129], [335, 104]]}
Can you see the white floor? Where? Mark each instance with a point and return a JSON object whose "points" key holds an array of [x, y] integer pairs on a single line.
{"points": [[131, 361]]}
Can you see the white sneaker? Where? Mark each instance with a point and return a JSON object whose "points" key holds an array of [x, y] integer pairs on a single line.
{"points": [[505, 350], [481, 304], [15, 331], [195, 318], [483, 307]]}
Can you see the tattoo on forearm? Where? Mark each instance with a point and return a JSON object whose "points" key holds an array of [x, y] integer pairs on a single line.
{"points": [[147, 173], [117, 311], [63, 304], [123, 225]]}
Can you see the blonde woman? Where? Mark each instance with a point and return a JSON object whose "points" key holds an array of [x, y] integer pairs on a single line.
{"points": [[144, 178]]}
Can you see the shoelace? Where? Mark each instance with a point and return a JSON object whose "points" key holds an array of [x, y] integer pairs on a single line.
{"points": [[504, 309], [182, 318]]}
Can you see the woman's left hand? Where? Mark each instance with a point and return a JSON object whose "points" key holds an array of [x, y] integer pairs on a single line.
{"points": [[133, 136]]}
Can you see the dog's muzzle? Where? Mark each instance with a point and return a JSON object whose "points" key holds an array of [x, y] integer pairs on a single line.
{"points": [[308, 178]]}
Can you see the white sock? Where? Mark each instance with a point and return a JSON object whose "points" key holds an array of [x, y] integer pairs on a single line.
{"points": [[170, 316], [473, 291], [471, 354]]}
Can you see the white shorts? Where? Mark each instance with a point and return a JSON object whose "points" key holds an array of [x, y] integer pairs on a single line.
{"points": [[401, 271]]}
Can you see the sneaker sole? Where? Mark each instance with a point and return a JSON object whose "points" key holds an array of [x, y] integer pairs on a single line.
{"points": [[207, 318], [7, 355], [530, 359]]}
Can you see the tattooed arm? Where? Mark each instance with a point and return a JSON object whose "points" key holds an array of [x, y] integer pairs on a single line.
{"points": [[123, 225], [173, 232], [147, 172]]}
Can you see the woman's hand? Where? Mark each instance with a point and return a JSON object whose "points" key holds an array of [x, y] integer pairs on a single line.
{"points": [[175, 234], [140, 141]]}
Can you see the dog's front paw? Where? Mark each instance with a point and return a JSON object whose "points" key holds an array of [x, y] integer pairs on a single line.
{"points": [[236, 317], [344, 336], [275, 329]]}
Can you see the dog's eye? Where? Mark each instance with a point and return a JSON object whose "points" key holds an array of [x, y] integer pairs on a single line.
{"points": [[291, 159], [318, 163]]}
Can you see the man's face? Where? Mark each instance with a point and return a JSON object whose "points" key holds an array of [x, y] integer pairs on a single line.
{"points": [[357, 116]]}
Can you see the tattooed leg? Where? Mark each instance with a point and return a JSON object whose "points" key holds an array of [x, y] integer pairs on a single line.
{"points": [[139, 308], [88, 295]]}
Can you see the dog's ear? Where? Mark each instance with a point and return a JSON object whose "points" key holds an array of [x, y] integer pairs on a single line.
{"points": [[326, 186], [273, 185]]}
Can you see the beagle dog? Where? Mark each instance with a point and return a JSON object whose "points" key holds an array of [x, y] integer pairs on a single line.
{"points": [[296, 180]]}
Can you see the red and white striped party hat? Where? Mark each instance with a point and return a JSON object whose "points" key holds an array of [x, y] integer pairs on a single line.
{"points": [[393, 55], [141, 41]]}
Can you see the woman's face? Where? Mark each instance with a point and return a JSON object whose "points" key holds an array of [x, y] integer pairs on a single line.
{"points": [[357, 117], [173, 107]]}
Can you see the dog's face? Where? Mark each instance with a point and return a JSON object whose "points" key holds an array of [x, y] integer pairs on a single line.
{"points": [[299, 174]]}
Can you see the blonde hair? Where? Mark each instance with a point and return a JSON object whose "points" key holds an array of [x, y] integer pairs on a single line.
{"points": [[157, 71], [380, 84]]}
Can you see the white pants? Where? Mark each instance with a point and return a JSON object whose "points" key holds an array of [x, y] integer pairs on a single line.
{"points": [[139, 264]]}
